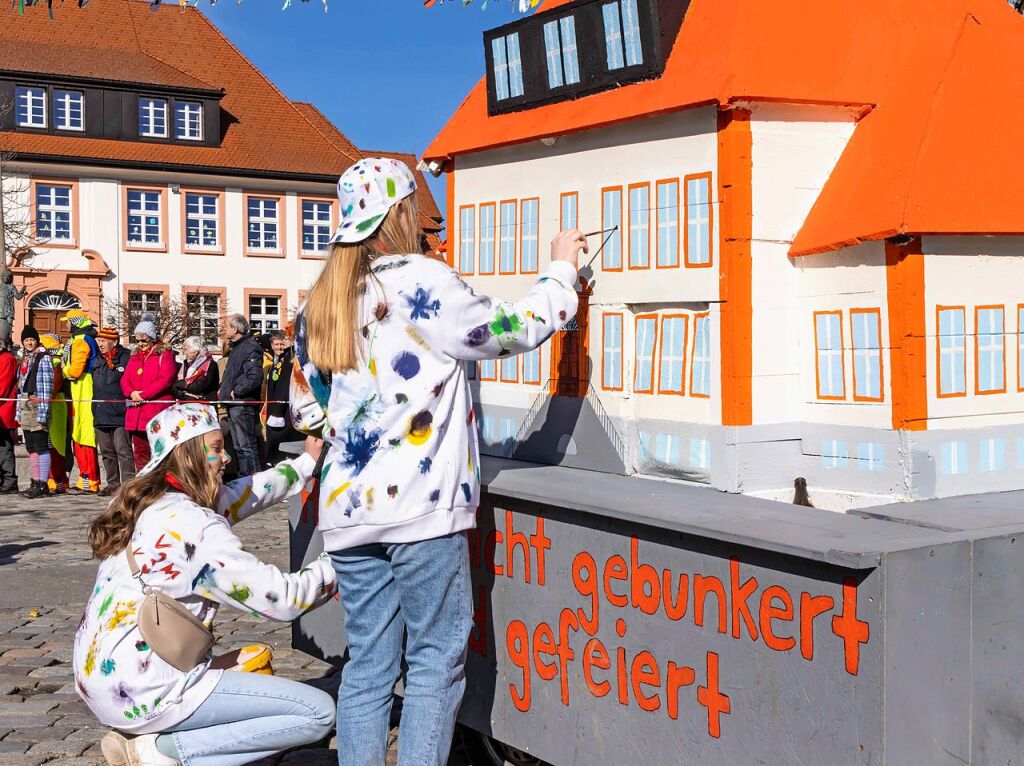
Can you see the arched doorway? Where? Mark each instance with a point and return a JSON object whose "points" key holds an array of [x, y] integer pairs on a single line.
{"points": [[46, 308], [570, 351]]}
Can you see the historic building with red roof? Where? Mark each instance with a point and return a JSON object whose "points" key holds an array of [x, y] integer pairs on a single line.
{"points": [[159, 165], [811, 252]]}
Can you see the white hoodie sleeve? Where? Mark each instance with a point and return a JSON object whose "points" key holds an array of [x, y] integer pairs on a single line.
{"points": [[243, 497], [468, 326], [220, 570]]}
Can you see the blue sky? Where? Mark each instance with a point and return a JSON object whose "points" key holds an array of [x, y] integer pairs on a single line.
{"points": [[389, 73]]}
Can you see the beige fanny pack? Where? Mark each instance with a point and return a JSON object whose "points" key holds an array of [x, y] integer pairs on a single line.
{"points": [[177, 636]]}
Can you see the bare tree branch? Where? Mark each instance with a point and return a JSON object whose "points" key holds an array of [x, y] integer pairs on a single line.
{"points": [[18, 239], [175, 320]]}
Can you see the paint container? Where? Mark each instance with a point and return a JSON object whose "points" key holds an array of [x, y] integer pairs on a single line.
{"points": [[255, 658]]}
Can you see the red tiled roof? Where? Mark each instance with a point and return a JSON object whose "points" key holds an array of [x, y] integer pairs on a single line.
{"points": [[930, 72], [263, 131], [328, 130]]}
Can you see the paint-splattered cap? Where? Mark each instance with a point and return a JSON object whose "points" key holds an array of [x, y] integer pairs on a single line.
{"points": [[174, 426], [367, 191]]}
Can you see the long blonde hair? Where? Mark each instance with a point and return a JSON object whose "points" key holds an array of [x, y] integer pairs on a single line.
{"points": [[111, 531], [334, 306]]}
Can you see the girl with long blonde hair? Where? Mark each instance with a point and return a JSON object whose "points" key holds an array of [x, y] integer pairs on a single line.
{"points": [[381, 352]]}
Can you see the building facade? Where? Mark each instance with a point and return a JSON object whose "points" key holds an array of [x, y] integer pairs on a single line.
{"points": [[798, 272], [157, 177]]}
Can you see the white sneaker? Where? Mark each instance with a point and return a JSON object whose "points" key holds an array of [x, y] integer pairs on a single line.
{"points": [[141, 751]]}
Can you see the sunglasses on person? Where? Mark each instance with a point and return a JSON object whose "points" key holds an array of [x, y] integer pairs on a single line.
{"points": [[145, 341]]}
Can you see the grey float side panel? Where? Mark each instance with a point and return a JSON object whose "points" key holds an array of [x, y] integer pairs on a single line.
{"points": [[997, 699], [927, 698], [967, 512]]}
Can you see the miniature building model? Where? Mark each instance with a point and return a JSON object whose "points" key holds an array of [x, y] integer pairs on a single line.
{"points": [[812, 261]]}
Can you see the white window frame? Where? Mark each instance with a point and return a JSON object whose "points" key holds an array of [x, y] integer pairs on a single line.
{"points": [[623, 45], [508, 67], [262, 221], [209, 321], [190, 113], [318, 226], [262, 317], [561, 52], [203, 221], [142, 212], [33, 101], [52, 209], [68, 101], [151, 112]]}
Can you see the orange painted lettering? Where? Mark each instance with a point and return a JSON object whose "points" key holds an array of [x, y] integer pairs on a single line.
{"points": [[544, 644], [740, 594], [854, 632], [644, 672], [566, 620], [588, 588], [494, 539], [620, 665], [541, 544], [514, 540], [769, 613], [702, 586], [478, 635], [675, 677], [811, 607], [645, 585], [615, 569], [596, 656], [712, 699], [677, 610], [517, 643]]}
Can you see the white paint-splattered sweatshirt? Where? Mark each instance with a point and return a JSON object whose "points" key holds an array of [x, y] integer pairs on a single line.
{"points": [[404, 454], [191, 554]]}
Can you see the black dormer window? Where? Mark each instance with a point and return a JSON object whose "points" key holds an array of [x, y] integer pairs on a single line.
{"points": [[578, 48], [561, 52], [622, 34]]}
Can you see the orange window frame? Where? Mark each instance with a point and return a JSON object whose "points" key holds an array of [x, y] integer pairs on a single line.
{"points": [[617, 233], [480, 373], [72, 184], [881, 360], [335, 219], [1020, 340], [657, 224], [165, 235], [693, 355], [629, 225], [515, 236], [938, 352], [636, 353], [685, 221], [561, 208], [458, 254], [682, 360], [480, 238], [540, 373], [604, 348], [842, 357], [977, 342], [501, 369], [221, 233], [282, 217], [522, 203]]}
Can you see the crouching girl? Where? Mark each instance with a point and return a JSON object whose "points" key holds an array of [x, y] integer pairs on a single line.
{"points": [[171, 525]]}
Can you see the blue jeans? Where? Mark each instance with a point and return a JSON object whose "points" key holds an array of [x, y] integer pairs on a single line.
{"points": [[423, 589], [242, 418], [250, 716]]}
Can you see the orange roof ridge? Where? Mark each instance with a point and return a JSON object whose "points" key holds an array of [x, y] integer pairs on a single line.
{"points": [[351, 152]]}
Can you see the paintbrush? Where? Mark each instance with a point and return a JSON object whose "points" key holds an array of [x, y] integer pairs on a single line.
{"points": [[610, 231]]}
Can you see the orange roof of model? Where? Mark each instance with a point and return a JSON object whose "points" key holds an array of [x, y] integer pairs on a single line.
{"points": [[929, 74]]}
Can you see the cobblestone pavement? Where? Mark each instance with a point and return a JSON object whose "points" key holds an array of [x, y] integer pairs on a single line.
{"points": [[46, 574]]}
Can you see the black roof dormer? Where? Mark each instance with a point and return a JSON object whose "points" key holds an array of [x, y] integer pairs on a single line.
{"points": [[592, 45]]}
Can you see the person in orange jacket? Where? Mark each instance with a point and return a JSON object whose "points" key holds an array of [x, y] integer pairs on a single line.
{"points": [[79, 353]]}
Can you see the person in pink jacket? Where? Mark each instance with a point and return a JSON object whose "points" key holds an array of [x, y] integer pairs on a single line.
{"points": [[148, 377]]}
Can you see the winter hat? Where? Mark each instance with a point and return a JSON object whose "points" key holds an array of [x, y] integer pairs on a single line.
{"points": [[174, 426], [367, 191], [28, 331], [146, 325], [109, 333], [77, 318], [50, 341]]}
